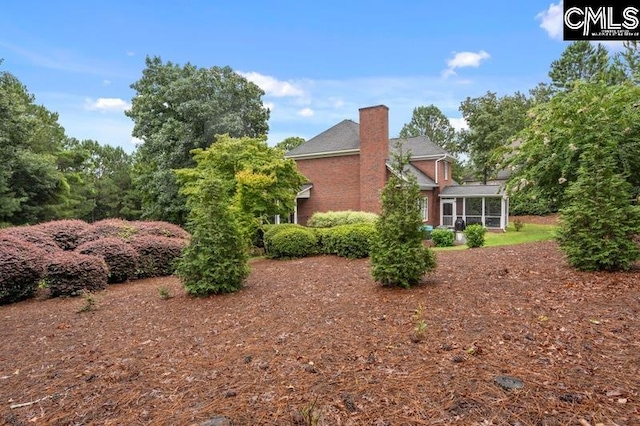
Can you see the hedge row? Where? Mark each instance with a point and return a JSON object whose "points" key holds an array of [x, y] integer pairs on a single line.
{"points": [[288, 241], [57, 254], [333, 219]]}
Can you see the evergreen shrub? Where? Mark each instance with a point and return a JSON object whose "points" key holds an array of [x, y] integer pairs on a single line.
{"points": [[271, 230], [352, 241], [474, 234], [157, 255], [398, 257], [291, 243], [71, 273], [442, 237], [120, 257]]}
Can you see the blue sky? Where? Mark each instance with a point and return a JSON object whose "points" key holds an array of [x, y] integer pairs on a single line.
{"points": [[318, 62]]}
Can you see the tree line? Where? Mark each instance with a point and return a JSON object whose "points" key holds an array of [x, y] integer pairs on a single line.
{"points": [[538, 137]]}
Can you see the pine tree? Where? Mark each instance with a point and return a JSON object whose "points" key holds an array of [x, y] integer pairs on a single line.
{"points": [[599, 221], [398, 257]]}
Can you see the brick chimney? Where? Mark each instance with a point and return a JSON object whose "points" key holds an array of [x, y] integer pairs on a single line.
{"points": [[374, 152]]}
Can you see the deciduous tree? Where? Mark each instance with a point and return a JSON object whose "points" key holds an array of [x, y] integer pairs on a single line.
{"points": [[180, 108]]}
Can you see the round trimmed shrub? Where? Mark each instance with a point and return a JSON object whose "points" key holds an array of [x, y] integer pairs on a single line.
{"points": [[157, 255], [21, 269], [33, 235], [348, 217], [352, 241], [474, 235], [292, 243], [70, 273], [161, 229], [120, 257], [108, 228], [271, 230], [442, 237], [65, 233]]}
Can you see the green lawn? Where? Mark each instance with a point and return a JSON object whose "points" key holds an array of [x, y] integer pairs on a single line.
{"points": [[528, 234]]}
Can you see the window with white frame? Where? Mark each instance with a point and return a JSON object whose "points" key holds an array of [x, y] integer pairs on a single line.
{"points": [[425, 208], [446, 170]]}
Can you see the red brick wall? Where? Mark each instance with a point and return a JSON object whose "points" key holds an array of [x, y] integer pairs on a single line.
{"points": [[336, 185], [428, 167], [374, 151]]}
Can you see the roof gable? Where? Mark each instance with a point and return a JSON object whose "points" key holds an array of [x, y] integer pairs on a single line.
{"points": [[345, 137]]}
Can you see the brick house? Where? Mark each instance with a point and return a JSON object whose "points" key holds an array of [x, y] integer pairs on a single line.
{"points": [[348, 165]]}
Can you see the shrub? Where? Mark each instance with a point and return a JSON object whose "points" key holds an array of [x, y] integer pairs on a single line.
{"points": [[21, 269], [216, 259], [292, 243], [161, 229], [157, 255], [120, 257], [71, 273], [518, 224], [597, 225], [271, 230], [398, 257], [442, 237], [474, 235], [331, 219], [108, 228], [33, 235], [65, 233], [352, 241]]}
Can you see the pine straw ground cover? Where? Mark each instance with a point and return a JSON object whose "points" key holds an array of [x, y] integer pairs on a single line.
{"points": [[316, 341]]}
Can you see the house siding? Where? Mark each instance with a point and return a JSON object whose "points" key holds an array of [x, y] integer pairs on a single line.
{"points": [[336, 185]]}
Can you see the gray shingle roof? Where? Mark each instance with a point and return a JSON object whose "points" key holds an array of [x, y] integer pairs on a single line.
{"points": [[419, 146], [472, 191], [424, 181], [345, 136]]}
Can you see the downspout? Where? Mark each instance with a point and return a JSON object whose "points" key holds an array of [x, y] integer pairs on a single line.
{"points": [[437, 161]]}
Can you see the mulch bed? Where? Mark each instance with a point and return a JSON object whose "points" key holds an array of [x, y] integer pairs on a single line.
{"points": [[316, 341]]}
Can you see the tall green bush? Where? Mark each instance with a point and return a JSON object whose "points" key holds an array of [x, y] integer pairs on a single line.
{"points": [[216, 259], [398, 257], [597, 226]]}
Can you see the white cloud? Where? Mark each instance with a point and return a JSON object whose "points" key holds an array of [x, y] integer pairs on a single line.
{"points": [[459, 123], [306, 112], [551, 20], [270, 105], [464, 60], [106, 104], [273, 86]]}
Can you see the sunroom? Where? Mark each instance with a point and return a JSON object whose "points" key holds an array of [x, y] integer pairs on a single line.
{"points": [[484, 204]]}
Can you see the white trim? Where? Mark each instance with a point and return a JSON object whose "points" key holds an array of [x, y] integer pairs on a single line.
{"points": [[325, 154]]}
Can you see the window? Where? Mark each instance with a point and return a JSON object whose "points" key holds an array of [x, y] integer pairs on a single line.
{"points": [[446, 170], [425, 209]]}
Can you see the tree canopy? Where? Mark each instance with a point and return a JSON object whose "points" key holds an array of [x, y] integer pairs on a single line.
{"points": [[262, 182], [429, 121], [493, 123], [177, 109], [548, 159]]}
